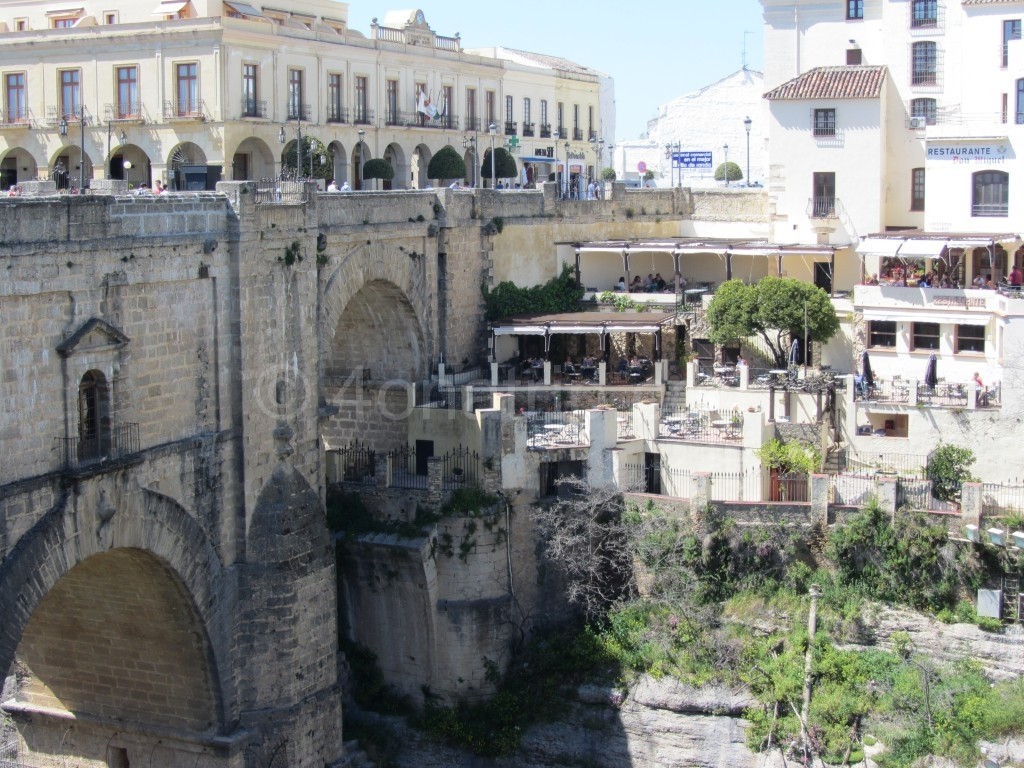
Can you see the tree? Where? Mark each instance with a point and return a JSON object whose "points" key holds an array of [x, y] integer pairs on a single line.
{"points": [[949, 468], [446, 164], [504, 164], [608, 174], [735, 174], [378, 168], [648, 175], [312, 148], [772, 308]]}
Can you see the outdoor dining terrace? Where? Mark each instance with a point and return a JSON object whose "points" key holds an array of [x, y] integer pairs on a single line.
{"points": [[943, 394]]}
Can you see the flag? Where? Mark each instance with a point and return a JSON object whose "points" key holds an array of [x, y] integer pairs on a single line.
{"points": [[438, 114], [424, 106]]}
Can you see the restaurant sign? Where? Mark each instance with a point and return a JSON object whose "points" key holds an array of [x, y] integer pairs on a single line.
{"points": [[981, 153], [957, 301]]}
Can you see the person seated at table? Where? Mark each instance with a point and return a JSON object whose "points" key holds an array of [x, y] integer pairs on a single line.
{"points": [[568, 368], [1016, 277], [623, 366], [989, 285], [649, 283], [621, 285], [741, 361], [637, 285], [659, 282], [979, 281]]}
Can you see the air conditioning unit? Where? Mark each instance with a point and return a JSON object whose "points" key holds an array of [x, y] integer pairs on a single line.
{"points": [[918, 122]]}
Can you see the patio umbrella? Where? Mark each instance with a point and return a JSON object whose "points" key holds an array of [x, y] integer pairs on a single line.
{"points": [[931, 373], [794, 352], [865, 369]]}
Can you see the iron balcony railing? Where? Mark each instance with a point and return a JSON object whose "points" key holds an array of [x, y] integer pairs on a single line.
{"points": [[510, 128], [299, 112], [545, 130], [822, 208], [363, 116], [254, 108], [577, 134], [473, 124], [184, 109], [591, 135], [279, 191], [337, 114], [124, 112], [527, 129], [106, 447], [15, 117]]}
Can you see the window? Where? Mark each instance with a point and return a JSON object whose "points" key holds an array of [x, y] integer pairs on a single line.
{"points": [[924, 108], [526, 116], [917, 189], [924, 13], [93, 416], [1019, 117], [362, 113], [70, 93], [295, 94], [1011, 31], [127, 92], [187, 89], [110, 17], [509, 125], [991, 194], [250, 90], [853, 57], [64, 23], [561, 121], [854, 9], [490, 108], [334, 99], [924, 63], [21, 25], [446, 107], [970, 338], [472, 122], [925, 336], [882, 333], [823, 202], [391, 114], [545, 129], [17, 110], [591, 134], [577, 134], [824, 122], [1005, 111]]}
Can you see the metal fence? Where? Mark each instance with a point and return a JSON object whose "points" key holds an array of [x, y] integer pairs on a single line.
{"points": [[79, 453], [9, 756], [1002, 500], [894, 390], [950, 394], [465, 377], [737, 486], [703, 426], [901, 464], [552, 429], [851, 489], [356, 464], [460, 468], [625, 429], [404, 469], [266, 191]]}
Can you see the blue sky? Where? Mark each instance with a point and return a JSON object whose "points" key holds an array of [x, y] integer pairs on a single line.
{"points": [[655, 49]]}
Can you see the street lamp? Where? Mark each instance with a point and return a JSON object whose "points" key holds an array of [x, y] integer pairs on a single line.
{"points": [[62, 127], [469, 142], [281, 137], [598, 145], [746, 124], [566, 179], [726, 148], [492, 129], [362, 155]]}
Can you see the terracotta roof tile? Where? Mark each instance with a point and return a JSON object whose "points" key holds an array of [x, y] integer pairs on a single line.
{"points": [[833, 83]]}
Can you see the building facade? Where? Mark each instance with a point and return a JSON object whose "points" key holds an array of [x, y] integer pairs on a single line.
{"points": [[192, 92]]}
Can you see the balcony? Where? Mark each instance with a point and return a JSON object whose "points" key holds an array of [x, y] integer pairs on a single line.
{"points": [[990, 209], [71, 114], [363, 116], [337, 114], [545, 130], [591, 135], [561, 133], [577, 134], [254, 108], [17, 118], [827, 207], [185, 109], [91, 454], [299, 112], [510, 129], [528, 129], [124, 112]]}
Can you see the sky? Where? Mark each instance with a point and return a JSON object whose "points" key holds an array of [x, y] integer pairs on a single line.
{"points": [[655, 50]]}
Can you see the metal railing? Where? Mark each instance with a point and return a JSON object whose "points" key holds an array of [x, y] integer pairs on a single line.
{"points": [[126, 112], [545, 130], [950, 394], [404, 469], [105, 447], [473, 124], [900, 464], [299, 112], [362, 116], [15, 117], [254, 108], [510, 129], [702, 426], [357, 464], [556, 429], [851, 489], [460, 468], [279, 191], [736, 486], [990, 209], [625, 429], [1002, 500], [337, 114], [184, 109], [528, 129], [823, 208], [577, 134], [894, 390]]}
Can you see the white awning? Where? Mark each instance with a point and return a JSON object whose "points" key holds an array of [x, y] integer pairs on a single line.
{"points": [[915, 248], [574, 329], [914, 316], [168, 7], [66, 12], [694, 250], [970, 242], [519, 330], [754, 251], [243, 8], [631, 328], [879, 246]]}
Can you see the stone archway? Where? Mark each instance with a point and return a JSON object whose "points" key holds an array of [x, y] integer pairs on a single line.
{"points": [[339, 160], [66, 167], [253, 160], [113, 605], [17, 166], [395, 155], [420, 162], [130, 163]]}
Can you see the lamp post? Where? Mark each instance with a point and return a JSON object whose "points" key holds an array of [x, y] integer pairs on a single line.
{"points": [[62, 127], [746, 124], [598, 145], [362, 156], [726, 148], [469, 142], [492, 129], [671, 150], [567, 170], [281, 137]]}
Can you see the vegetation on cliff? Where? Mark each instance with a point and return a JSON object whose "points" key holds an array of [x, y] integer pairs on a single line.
{"points": [[559, 294]]}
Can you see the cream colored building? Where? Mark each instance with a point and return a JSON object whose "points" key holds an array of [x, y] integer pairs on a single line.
{"points": [[192, 92]]}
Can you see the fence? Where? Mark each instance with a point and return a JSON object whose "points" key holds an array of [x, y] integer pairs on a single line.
{"points": [[901, 464], [404, 469], [279, 191], [702, 426], [9, 756], [556, 428], [460, 468], [461, 379], [1002, 500], [625, 430], [356, 464], [851, 490], [79, 453], [944, 393]]}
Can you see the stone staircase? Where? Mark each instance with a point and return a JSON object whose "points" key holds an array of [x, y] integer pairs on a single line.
{"points": [[675, 397], [835, 461], [354, 757]]}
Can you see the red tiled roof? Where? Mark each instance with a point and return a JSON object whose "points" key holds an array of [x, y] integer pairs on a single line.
{"points": [[833, 83]]}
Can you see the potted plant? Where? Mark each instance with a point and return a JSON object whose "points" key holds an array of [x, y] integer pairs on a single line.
{"points": [[458, 474]]}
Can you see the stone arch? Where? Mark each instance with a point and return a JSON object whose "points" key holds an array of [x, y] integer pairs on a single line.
{"points": [[420, 161], [360, 154], [253, 159], [65, 166], [184, 154], [105, 515], [395, 155], [130, 163], [378, 284], [17, 165], [339, 158]]}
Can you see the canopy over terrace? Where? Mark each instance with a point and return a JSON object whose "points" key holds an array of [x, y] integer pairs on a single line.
{"points": [[890, 248], [730, 252], [596, 323]]}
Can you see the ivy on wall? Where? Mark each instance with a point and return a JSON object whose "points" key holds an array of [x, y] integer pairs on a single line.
{"points": [[559, 294]]}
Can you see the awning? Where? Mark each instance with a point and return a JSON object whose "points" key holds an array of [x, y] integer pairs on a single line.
{"points": [[980, 317], [537, 159], [879, 246], [243, 8], [915, 248], [168, 7], [66, 12], [519, 330], [969, 243]]}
